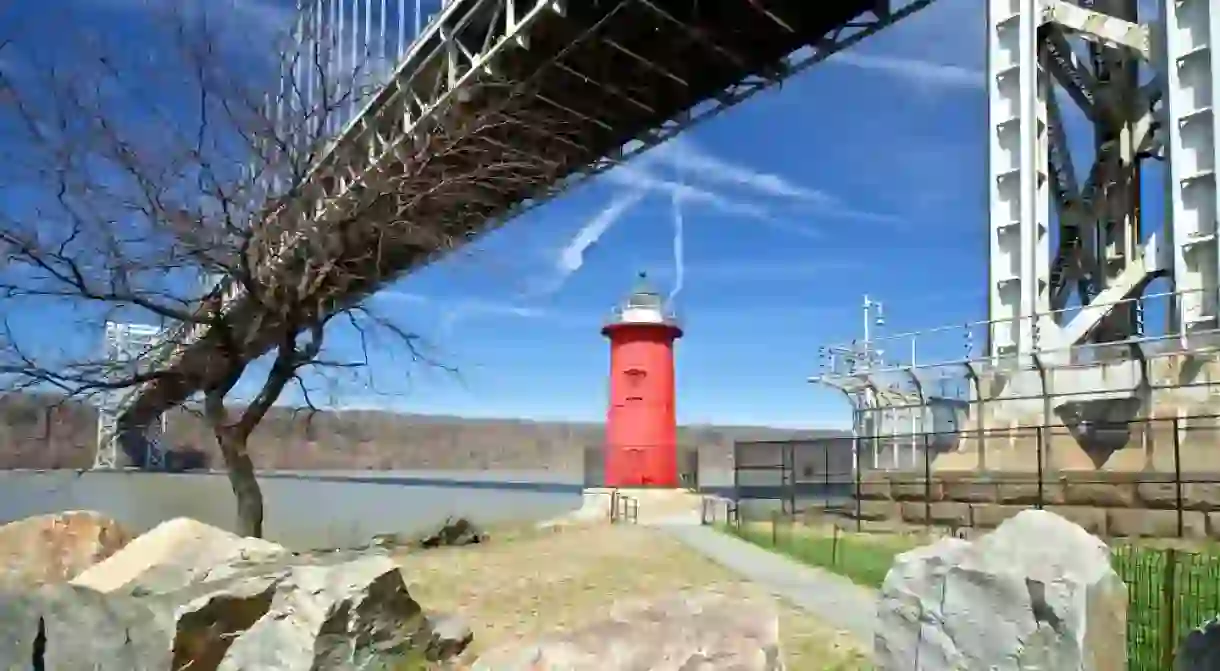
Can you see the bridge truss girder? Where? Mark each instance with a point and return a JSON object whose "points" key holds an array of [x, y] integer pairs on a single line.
{"points": [[466, 52]]}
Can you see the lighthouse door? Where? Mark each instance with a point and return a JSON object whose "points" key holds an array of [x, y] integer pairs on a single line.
{"points": [[636, 467], [635, 452]]}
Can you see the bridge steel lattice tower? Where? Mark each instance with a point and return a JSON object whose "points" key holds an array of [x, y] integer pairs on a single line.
{"points": [[612, 79], [125, 346], [1145, 88]]}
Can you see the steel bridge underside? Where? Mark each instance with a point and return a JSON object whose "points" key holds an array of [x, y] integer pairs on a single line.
{"points": [[578, 84]]}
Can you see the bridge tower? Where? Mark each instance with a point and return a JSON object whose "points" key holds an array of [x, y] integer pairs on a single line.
{"points": [[1144, 88], [124, 346], [641, 421], [1103, 304]]}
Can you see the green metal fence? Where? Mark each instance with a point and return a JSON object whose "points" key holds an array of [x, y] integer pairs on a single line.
{"points": [[1169, 593]]}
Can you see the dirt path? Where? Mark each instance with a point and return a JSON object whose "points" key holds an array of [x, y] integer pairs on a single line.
{"points": [[509, 590], [832, 598]]}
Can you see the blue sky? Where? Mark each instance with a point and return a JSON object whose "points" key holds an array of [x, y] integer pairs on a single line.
{"points": [[863, 175]]}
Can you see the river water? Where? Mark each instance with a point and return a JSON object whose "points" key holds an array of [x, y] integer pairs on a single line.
{"points": [[303, 509]]}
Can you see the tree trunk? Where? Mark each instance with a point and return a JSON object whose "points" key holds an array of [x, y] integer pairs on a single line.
{"points": [[243, 482], [233, 436]]}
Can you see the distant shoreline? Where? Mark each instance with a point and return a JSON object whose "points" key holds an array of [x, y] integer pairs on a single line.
{"points": [[508, 481], [492, 480]]}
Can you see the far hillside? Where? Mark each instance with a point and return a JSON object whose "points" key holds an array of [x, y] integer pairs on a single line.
{"points": [[45, 432]]}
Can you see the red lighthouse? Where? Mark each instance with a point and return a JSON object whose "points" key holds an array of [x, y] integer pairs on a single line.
{"points": [[641, 422]]}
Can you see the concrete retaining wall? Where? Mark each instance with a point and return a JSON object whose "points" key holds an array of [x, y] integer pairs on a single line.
{"points": [[1114, 504]]}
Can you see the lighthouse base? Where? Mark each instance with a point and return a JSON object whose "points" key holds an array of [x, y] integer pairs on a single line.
{"points": [[653, 468], [642, 483], [656, 505]]}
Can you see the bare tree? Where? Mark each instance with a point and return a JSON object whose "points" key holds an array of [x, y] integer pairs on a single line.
{"points": [[134, 177]]}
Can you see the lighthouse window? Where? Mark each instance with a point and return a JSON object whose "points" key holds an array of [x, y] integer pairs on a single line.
{"points": [[635, 376]]}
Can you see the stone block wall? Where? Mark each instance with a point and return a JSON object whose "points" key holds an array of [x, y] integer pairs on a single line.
{"points": [[1109, 504]]}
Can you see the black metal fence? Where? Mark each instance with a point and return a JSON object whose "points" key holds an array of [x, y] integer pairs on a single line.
{"points": [[793, 474], [1159, 464]]}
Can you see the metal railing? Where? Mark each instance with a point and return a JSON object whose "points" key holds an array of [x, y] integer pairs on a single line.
{"points": [[952, 345], [624, 509]]}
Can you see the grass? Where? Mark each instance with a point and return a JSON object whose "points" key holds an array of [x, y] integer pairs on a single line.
{"points": [[519, 587], [1169, 590], [862, 558]]}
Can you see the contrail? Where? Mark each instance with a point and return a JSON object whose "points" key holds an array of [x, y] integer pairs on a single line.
{"points": [[572, 257], [679, 236]]}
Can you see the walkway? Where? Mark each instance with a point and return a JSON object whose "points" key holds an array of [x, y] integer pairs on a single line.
{"points": [[834, 599]]}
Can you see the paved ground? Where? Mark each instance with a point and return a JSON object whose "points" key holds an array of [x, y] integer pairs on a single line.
{"points": [[832, 598]]}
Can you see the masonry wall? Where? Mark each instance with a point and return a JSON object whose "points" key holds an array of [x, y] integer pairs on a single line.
{"points": [[1111, 504]]}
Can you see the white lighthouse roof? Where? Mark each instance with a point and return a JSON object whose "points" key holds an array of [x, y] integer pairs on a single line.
{"points": [[643, 306]]}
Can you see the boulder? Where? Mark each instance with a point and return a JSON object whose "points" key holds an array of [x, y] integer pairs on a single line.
{"points": [[331, 613], [453, 532], [1037, 593], [57, 547], [175, 554], [706, 630], [63, 627], [187, 595], [448, 636]]}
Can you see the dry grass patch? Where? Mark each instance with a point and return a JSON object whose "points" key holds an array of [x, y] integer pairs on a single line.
{"points": [[521, 588]]}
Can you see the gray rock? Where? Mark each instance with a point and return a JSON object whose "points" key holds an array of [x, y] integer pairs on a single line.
{"points": [[708, 630], [66, 628], [175, 554], [336, 613], [284, 613], [448, 636], [1037, 593], [451, 533], [1200, 650]]}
